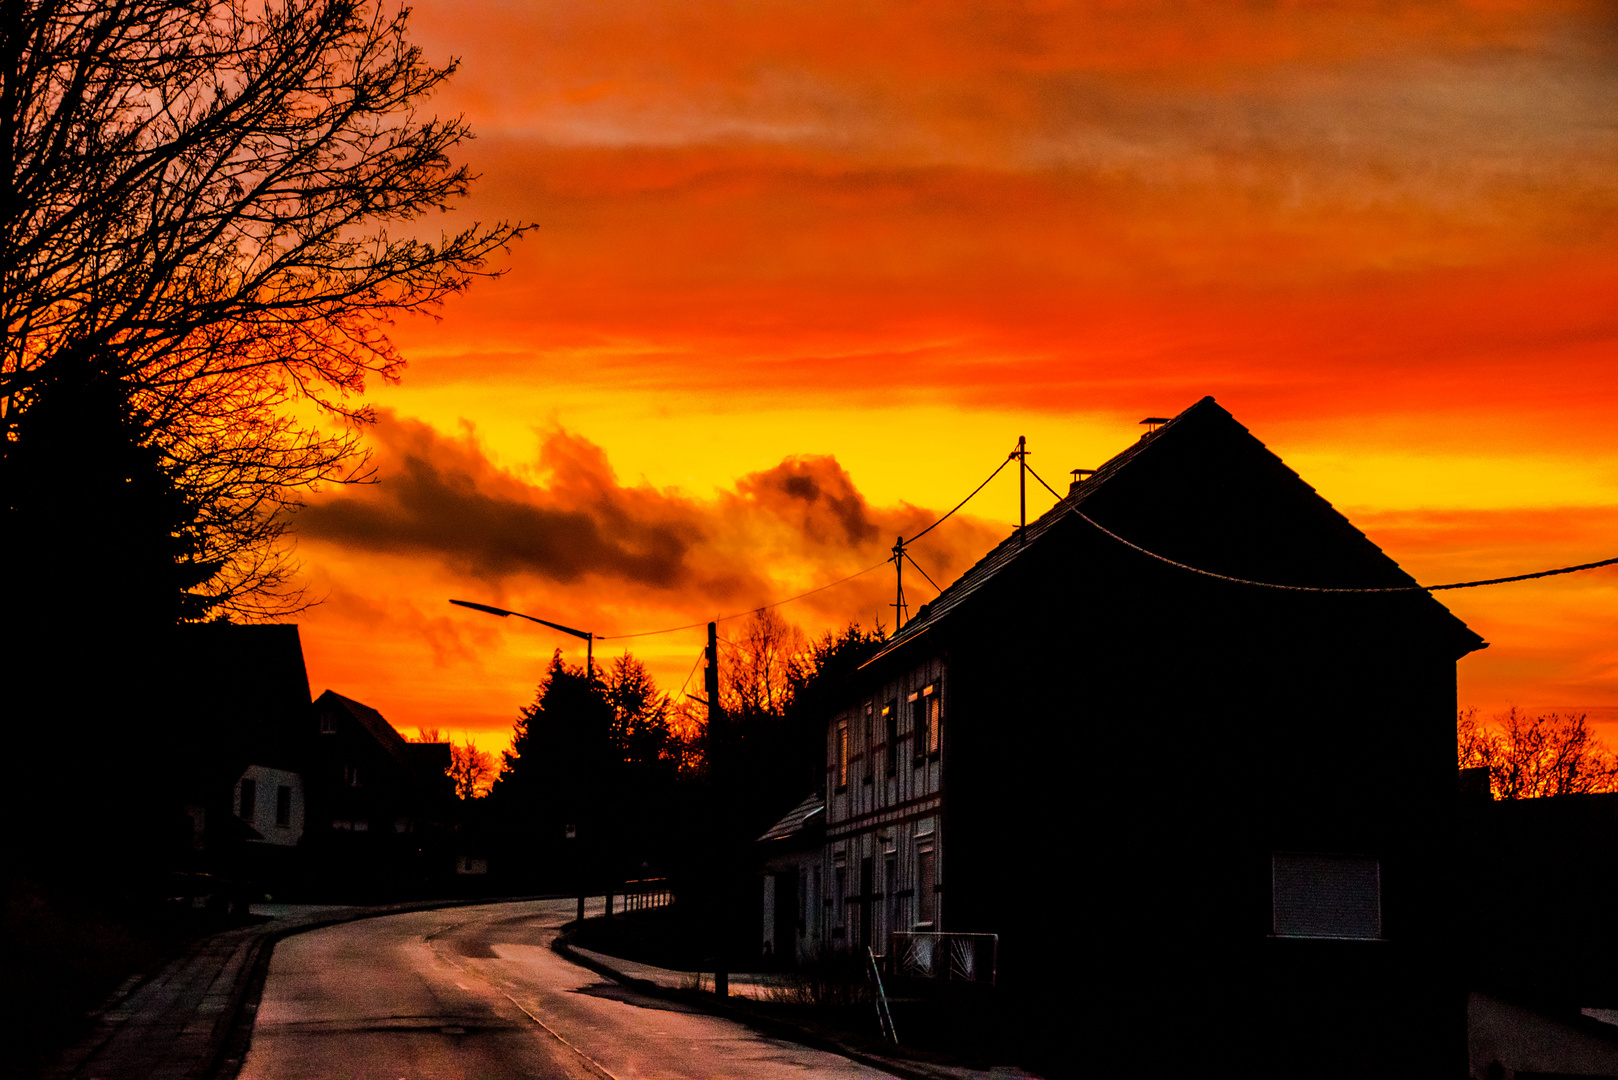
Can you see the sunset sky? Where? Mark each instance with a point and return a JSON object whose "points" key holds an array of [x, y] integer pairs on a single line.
{"points": [[801, 273]]}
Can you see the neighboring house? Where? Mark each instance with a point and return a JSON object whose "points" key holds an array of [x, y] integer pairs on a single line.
{"points": [[378, 805], [1209, 820], [262, 780]]}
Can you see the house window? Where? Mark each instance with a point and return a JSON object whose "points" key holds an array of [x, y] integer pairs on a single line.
{"points": [[868, 737], [918, 726], [819, 906], [249, 800], [840, 881], [890, 893], [890, 717], [842, 754], [351, 775], [1326, 896], [924, 885], [935, 730], [283, 806], [328, 724]]}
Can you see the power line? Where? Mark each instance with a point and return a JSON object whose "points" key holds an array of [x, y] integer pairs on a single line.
{"points": [[822, 588], [922, 572], [1329, 589], [958, 505], [749, 611]]}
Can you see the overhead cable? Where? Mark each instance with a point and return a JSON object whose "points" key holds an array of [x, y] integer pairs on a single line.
{"points": [[822, 588], [957, 506], [749, 611], [1329, 589]]}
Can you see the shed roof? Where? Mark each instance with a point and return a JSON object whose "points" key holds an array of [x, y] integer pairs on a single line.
{"points": [[1161, 494], [796, 820]]}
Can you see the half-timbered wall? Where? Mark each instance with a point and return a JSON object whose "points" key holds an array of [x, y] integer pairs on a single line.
{"points": [[883, 866]]}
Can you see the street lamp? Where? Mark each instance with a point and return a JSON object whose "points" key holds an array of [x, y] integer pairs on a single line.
{"points": [[589, 638]]}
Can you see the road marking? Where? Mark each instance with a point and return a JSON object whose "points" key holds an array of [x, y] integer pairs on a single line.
{"points": [[593, 1063]]}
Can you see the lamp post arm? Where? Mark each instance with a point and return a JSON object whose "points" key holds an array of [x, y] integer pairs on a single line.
{"points": [[589, 638]]}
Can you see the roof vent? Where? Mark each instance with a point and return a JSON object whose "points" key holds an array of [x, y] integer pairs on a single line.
{"points": [[1078, 478], [1154, 422]]}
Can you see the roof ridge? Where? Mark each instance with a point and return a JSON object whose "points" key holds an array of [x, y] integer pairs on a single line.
{"points": [[1003, 552]]}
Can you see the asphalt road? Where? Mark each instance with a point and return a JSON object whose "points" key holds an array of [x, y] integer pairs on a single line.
{"points": [[477, 993]]}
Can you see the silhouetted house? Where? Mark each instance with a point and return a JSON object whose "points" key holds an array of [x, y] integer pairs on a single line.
{"points": [[1209, 820], [237, 702], [378, 805]]}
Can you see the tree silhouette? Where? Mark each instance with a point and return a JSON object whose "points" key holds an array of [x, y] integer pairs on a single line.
{"points": [[214, 207], [94, 515], [472, 770], [1531, 757], [760, 667]]}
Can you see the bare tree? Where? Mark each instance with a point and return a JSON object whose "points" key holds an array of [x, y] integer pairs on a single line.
{"points": [[217, 204], [473, 770], [1531, 757], [762, 665]]}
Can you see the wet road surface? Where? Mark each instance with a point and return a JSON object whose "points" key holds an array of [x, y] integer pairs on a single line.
{"points": [[477, 993]]}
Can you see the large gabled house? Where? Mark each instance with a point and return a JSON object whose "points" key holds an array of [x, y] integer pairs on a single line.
{"points": [[1203, 800]]}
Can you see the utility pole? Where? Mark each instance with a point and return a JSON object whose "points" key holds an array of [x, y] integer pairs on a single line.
{"points": [[716, 753], [1021, 454], [899, 606], [710, 679]]}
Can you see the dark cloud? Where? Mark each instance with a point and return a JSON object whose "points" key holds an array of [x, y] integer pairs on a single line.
{"points": [[440, 498], [819, 494]]}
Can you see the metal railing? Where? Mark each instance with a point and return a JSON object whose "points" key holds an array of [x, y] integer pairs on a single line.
{"points": [[946, 956], [645, 893]]}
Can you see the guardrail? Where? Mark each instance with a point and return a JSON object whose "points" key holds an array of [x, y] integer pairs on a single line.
{"points": [[645, 893], [949, 957]]}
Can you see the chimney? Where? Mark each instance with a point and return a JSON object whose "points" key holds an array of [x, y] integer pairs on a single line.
{"points": [[1078, 478]]}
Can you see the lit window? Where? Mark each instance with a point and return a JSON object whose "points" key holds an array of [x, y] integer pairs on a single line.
{"points": [[1327, 896], [934, 728]]}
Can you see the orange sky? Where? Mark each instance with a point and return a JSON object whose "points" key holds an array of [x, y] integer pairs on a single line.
{"points": [[802, 273]]}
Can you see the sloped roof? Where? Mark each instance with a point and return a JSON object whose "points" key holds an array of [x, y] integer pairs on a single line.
{"points": [[236, 693], [373, 723], [257, 666], [1263, 546], [796, 820]]}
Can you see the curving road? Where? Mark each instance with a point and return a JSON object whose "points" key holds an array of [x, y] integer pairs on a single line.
{"points": [[476, 992]]}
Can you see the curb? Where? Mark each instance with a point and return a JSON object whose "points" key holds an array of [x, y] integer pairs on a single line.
{"points": [[774, 1026]]}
